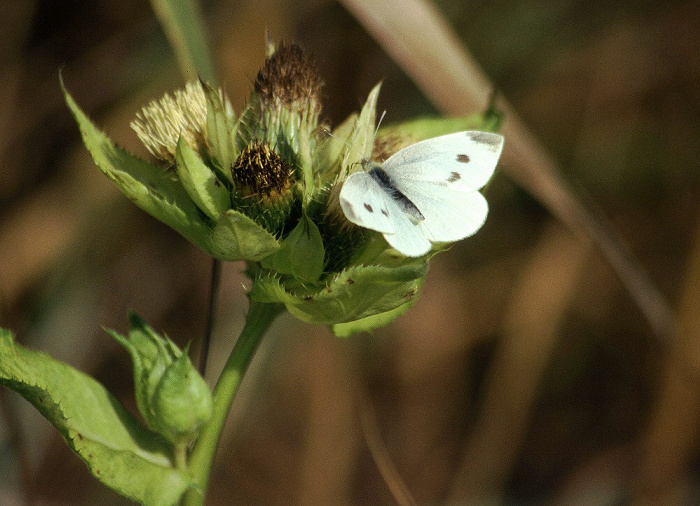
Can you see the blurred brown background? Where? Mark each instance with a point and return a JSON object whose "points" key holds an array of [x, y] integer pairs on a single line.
{"points": [[525, 374]]}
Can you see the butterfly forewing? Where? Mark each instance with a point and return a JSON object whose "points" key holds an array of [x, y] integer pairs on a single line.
{"points": [[463, 161]]}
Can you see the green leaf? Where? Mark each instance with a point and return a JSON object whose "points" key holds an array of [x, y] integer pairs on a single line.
{"points": [[301, 253], [201, 184], [118, 450], [221, 131], [183, 24], [150, 187], [355, 294], [237, 237], [373, 322]]}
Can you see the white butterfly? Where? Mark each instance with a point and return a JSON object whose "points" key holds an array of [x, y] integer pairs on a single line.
{"points": [[425, 193]]}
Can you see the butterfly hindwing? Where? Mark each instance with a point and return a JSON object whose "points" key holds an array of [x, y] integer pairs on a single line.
{"points": [[408, 237], [448, 215], [366, 204]]}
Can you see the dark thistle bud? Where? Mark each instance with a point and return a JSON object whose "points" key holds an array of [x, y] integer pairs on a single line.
{"points": [[263, 182]]}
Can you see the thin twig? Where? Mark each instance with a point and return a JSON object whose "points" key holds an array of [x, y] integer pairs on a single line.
{"points": [[13, 423], [211, 313]]}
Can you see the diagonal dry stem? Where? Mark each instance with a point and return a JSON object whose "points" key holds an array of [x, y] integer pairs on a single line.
{"points": [[416, 35], [670, 441]]}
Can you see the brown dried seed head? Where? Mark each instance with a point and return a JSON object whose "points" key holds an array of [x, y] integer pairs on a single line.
{"points": [[289, 77]]}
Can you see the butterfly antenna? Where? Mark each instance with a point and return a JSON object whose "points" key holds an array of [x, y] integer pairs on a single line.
{"points": [[327, 131], [376, 132], [379, 123]]}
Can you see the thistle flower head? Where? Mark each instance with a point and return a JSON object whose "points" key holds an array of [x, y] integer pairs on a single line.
{"points": [[162, 122], [261, 173]]}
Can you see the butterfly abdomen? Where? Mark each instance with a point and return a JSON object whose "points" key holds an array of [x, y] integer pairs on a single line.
{"points": [[387, 184]]}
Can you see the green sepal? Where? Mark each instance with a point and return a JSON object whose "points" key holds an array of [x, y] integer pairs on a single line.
{"points": [[150, 187], [360, 142], [200, 183], [304, 145], [118, 450], [222, 129], [249, 124], [301, 253], [355, 294], [331, 149], [238, 237]]}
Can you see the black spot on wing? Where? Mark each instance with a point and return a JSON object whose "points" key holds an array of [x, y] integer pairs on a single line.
{"points": [[385, 212], [369, 207], [454, 176], [488, 139], [462, 159]]}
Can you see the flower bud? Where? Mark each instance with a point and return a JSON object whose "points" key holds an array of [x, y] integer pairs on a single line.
{"points": [[284, 109], [172, 397], [181, 402]]}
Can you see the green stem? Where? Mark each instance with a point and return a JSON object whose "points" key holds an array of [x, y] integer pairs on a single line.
{"points": [[260, 316], [180, 454]]}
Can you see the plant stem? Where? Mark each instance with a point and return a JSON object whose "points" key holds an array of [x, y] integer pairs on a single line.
{"points": [[180, 456], [260, 316]]}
